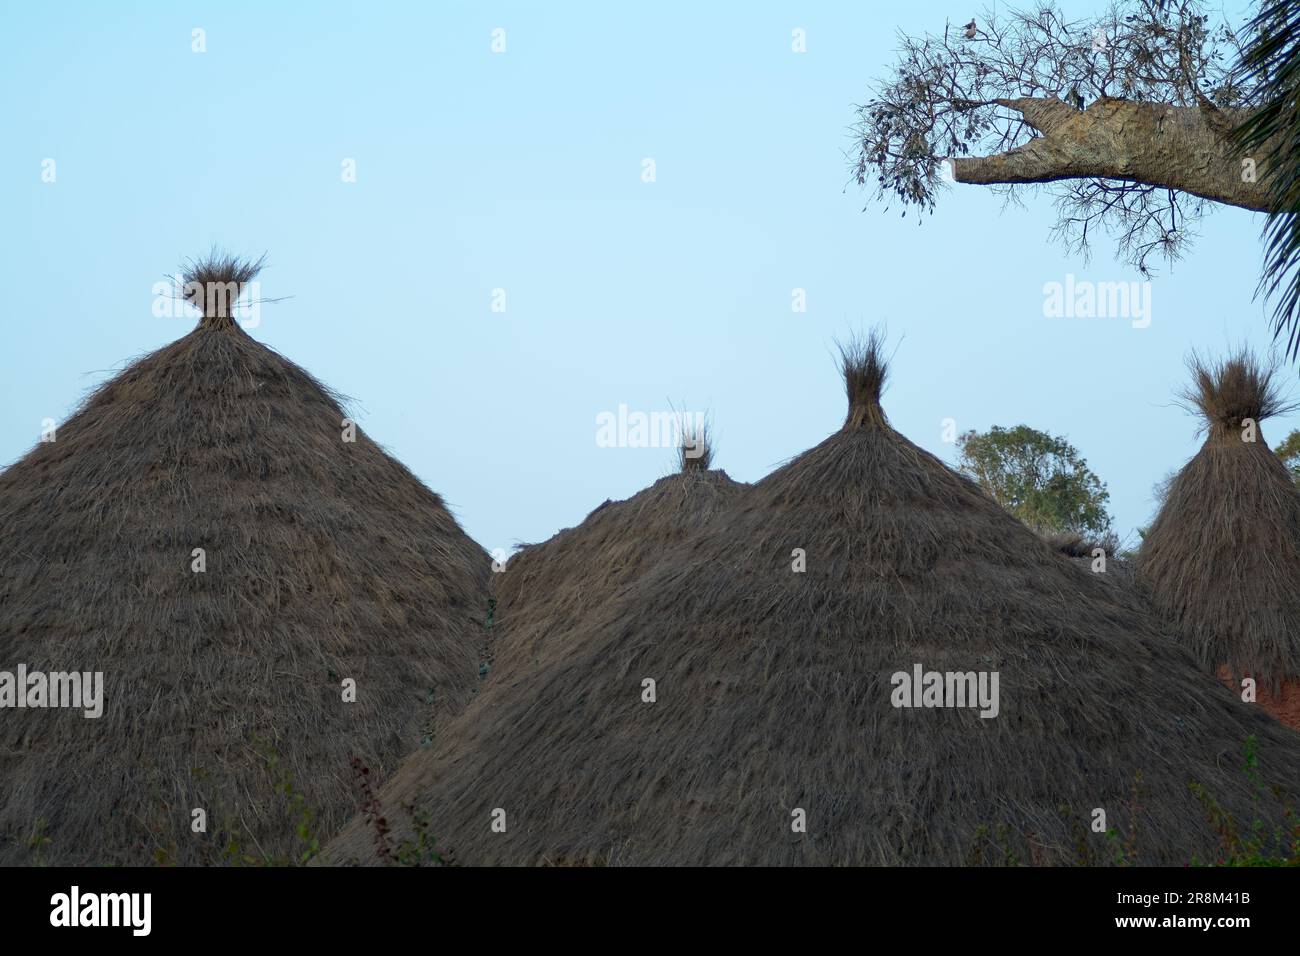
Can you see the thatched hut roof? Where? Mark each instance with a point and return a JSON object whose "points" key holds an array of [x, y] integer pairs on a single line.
{"points": [[1222, 559], [548, 589], [774, 692], [325, 560], [1082, 550]]}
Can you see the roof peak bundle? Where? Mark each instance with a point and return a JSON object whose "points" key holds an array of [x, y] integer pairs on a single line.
{"points": [[865, 371], [695, 445], [1231, 391], [215, 283]]}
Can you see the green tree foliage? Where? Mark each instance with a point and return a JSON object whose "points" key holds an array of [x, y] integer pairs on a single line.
{"points": [[1289, 452], [1039, 478]]}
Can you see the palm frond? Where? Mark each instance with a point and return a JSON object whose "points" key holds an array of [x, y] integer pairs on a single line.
{"points": [[1271, 63]]}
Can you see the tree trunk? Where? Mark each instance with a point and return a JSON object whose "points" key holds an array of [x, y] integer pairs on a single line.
{"points": [[1176, 147]]}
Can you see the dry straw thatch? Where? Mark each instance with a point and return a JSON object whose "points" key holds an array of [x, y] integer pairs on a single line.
{"points": [[1222, 560], [549, 588], [214, 283], [1082, 550], [695, 448], [774, 695], [325, 560]]}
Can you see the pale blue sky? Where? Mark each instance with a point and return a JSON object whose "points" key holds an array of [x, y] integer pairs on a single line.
{"points": [[522, 171]]}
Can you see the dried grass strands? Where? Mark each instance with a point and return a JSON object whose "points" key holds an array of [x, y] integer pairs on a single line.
{"points": [[325, 560], [548, 589], [774, 695], [1222, 559]]}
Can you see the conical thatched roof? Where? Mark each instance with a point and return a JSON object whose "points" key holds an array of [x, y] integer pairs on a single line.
{"points": [[1222, 560], [325, 560], [774, 695], [547, 589]]}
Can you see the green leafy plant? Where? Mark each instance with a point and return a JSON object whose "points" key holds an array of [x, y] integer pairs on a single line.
{"points": [[296, 800], [1289, 453], [1252, 844], [38, 841], [1039, 478], [419, 849]]}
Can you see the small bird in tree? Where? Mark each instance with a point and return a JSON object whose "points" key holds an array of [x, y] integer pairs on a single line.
{"points": [[1075, 99], [970, 30]]}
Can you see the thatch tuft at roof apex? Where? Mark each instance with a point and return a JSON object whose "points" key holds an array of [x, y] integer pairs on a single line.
{"points": [[1228, 391], [214, 283], [865, 371]]}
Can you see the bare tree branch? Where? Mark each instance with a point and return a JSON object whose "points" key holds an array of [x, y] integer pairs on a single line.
{"points": [[1125, 117]]}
